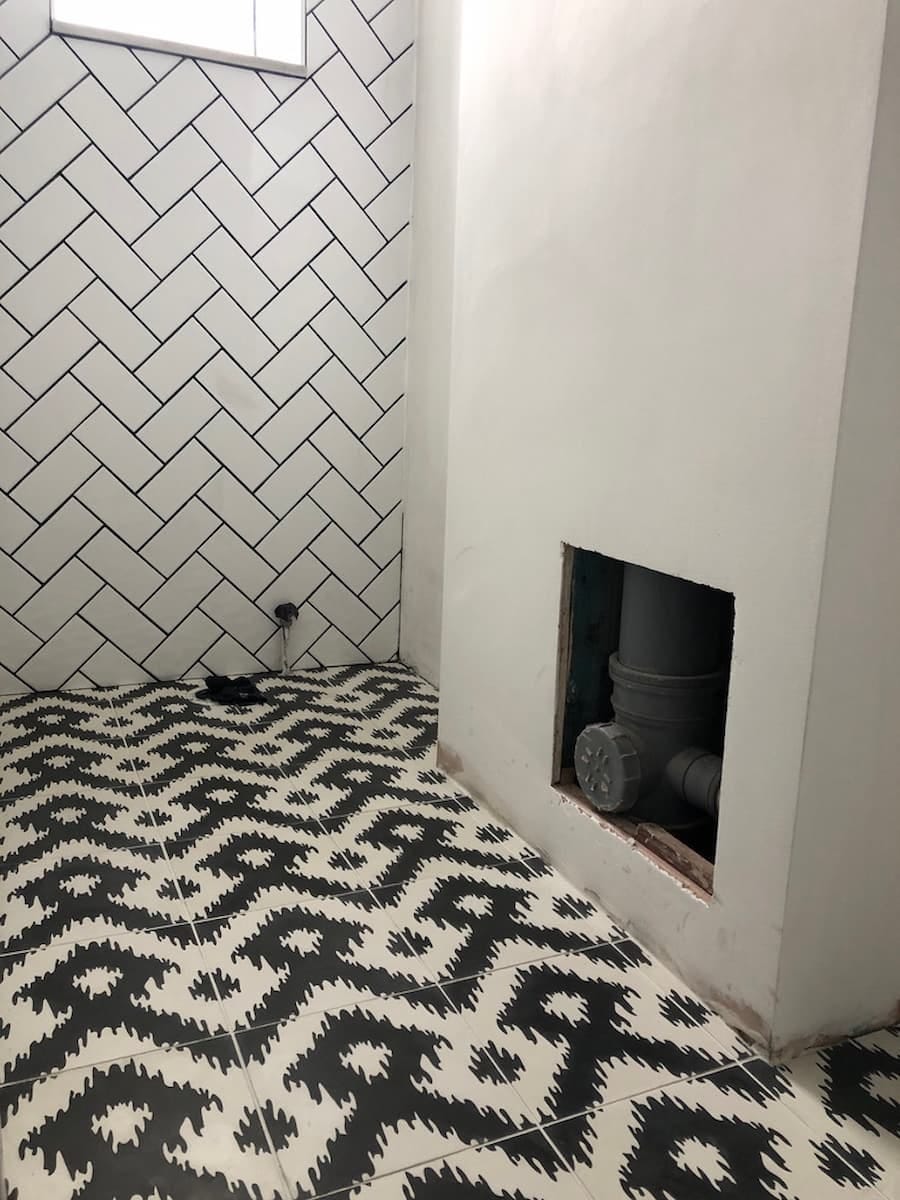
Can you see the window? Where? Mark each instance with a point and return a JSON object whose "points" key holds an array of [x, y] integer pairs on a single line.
{"points": [[258, 33]]}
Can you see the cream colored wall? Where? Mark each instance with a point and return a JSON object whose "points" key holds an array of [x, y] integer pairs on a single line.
{"points": [[840, 959], [431, 302], [658, 222]]}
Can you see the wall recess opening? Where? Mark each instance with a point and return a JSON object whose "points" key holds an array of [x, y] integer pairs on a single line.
{"points": [[642, 701]]}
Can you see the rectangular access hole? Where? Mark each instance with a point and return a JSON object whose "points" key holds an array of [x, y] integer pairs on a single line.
{"points": [[673, 623]]}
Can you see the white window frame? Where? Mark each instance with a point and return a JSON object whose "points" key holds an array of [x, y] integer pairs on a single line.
{"points": [[205, 53]]}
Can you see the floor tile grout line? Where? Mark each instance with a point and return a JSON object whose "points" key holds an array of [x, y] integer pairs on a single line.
{"points": [[845, 1158], [248, 1080]]}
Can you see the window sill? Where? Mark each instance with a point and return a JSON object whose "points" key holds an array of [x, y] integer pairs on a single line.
{"points": [[147, 43]]}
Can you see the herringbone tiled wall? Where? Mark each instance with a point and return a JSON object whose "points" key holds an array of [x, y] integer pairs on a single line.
{"points": [[202, 322]]}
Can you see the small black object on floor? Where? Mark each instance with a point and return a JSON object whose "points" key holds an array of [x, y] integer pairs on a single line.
{"points": [[222, 690]]}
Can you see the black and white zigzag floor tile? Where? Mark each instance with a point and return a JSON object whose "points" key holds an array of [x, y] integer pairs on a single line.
{"points": [[583, 1029], [69, 738], [342, 782], [525, 1167], [237, 868], [181, 1124], [384, 711], [277, 963], [211, 800], [172, 734], [353, 1093], [60, 811], [86, 1002], [721, 1137], [393, 845], [848, 1096], [464, 923], [74, 889]]}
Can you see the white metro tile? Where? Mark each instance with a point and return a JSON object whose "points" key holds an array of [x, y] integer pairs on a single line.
{"points": [[53, 417], [236, 271], [235, 209], [55, 479], [177, 359], [292, 249], [295, 122], [298, 181], [108, 318], [41, 152], [232, 328], [175, 170], [38, 80], [347, 340], [293, 307], [109, 128], [351, 100], [119, 566], [123, 394], [351, 164], [117, 448], [178, 296], [235, 145], [50, 353], [44, 221], [116, 67], [244, 91], [175, 235], [349, 30], [173, 103], [112, 260], [110, 194], [348, 222], [236, 391], [47, 289]]}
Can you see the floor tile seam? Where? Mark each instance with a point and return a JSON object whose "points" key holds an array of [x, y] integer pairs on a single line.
{"points": [[159, 1048], [797, 1116], [290, 1192], [587, 950], [570, 1171], [448, 979], [604, 1104], [97, 936], [867, 1138], [468, 1148]]}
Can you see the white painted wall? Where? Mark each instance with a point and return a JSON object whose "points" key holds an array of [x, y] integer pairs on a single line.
{"points": [[840, 967], [658, 224], [431, 301]]}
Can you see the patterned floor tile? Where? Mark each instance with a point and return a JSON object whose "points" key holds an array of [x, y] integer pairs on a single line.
{"points": [[848, 1096], [59, 812], [68, 738], [209, 800], [87, 1002], [583, 1029], [180, 1124], [393, 845], [383, 712], [359, 1092], [284, 962], [520, 1168], [343, 782], [235, 869], [465, 923], [684, 1007], [172, 735], [718, 1138], [72, 889]]}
